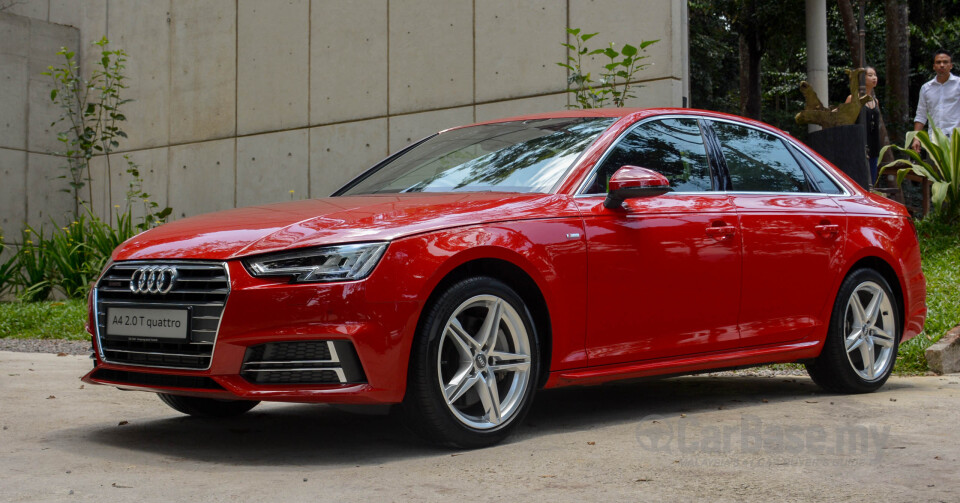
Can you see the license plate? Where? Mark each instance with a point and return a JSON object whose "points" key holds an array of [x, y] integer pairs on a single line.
{"points": [[147, 323]]}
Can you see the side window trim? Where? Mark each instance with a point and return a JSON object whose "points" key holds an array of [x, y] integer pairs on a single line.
{"points": [[589, 179]]}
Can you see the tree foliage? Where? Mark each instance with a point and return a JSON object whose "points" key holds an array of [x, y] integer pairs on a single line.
{"points": [[715, 55]]}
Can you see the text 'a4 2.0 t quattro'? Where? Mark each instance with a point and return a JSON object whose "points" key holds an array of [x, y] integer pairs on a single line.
{"points": [[472, 268]]}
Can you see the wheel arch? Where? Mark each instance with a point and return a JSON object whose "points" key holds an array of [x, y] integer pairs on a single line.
{"points": [[516, 278]]}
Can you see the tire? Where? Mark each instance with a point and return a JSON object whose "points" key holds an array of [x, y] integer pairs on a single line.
{"points": [[861, 345], [473, 365], [207, 407]]}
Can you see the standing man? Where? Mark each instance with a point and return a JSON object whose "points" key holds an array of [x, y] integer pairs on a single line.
{"points": [[939, 98]]}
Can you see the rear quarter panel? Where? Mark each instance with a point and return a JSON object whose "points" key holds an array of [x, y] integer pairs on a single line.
{"points": [[878, 227]]}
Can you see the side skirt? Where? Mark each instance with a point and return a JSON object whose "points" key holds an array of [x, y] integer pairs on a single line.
{"points": [[744, 357]]}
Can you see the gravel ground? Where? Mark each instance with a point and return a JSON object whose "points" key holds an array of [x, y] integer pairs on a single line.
{"points": [[55, 346]]}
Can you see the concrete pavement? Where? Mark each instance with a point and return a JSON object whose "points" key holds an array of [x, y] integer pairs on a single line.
{"points": [[681, 439]]}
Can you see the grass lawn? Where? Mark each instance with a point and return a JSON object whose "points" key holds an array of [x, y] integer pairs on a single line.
{"points": [[940, 248], [44, 320]]}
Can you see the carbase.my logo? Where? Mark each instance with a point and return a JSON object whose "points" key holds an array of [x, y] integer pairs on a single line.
{"points": [[751, 435]]}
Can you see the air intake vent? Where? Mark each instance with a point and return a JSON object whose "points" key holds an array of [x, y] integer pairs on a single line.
{"points": [[303, 362], [200, 289]]}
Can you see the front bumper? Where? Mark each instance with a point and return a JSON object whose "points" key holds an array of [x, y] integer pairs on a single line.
{"points": [[259, 312]]}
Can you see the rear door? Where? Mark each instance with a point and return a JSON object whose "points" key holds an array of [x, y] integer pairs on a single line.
{"points": [[792, 233]]}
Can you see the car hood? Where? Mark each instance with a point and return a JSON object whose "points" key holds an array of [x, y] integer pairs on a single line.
{"points": [[263, 229]]}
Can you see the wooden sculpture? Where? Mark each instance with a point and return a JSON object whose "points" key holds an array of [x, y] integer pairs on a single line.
{"points": [[841, 115]]}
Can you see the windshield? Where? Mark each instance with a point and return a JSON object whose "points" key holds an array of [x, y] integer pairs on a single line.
{"points": [[522, 156]]}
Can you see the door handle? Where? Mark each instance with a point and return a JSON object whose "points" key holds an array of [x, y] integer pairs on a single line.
{"points": [[722, 232], [828, 230]]}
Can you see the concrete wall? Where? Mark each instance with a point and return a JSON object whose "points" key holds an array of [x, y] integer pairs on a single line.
{"points": [[241, 102], [28, 170]]}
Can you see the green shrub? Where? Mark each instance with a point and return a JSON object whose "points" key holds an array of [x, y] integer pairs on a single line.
{"points": [[32, 270], [8, 268], [74, 264], [942, 168]]}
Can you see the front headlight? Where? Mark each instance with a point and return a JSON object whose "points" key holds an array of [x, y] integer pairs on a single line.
{"points": [[328, 263]]}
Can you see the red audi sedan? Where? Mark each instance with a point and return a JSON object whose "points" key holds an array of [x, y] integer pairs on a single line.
{"points": [[470, 269]]}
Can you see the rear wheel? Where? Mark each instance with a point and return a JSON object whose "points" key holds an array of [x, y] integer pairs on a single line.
{"points": [[473, 365], [207, 407], [861, 345]]}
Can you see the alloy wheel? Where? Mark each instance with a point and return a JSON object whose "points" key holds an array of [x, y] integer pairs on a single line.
{"points": [[869, 331], [483, 362]]}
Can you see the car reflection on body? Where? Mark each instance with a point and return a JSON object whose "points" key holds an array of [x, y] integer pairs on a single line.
{"points": [[470, 269]]}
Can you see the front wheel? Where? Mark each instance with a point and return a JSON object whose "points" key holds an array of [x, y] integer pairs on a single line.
{"points": [[207, 407], [861, 345], [474, 364]]}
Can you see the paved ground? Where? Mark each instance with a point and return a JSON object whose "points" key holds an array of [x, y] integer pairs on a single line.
{"points": [[683, 439]]}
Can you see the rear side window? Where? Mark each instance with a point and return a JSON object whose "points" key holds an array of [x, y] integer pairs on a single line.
{"points": [[758, 161], [817, 176], [671, 147]]}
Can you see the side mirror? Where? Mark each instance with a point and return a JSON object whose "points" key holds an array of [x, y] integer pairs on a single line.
{"points": [[631, 182]]}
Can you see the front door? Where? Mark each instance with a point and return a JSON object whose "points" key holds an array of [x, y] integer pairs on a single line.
{"points": [[664, 271]]}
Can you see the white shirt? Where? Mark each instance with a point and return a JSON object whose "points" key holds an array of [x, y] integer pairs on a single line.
{"points": [[941, 102]]}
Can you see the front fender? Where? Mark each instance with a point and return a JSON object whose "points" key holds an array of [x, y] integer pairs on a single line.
{"points": [[552, 252]]}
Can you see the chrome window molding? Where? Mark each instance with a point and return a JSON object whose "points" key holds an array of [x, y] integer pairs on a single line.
{"points": [[791, 141]]}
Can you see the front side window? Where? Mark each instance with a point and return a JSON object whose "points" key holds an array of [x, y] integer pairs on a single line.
{"points": [[521, 156], [671, 147], [759, 161]]}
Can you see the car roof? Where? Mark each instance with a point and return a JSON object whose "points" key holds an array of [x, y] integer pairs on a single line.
{"points": [[631, 115]]}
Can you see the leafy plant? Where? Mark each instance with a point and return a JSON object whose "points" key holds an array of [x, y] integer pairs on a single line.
{"points": [[152, 214], [69, 260], [73, 263], [942, 170], [8, 269], [33, 273], [90, 109], [613, 86]]}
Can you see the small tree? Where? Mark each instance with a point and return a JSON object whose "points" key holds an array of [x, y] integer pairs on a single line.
{"points": [[90, 109], [613, 87]]}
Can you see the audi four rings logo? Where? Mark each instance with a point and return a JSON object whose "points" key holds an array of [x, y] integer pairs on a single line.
{"points": [[153, 279]]}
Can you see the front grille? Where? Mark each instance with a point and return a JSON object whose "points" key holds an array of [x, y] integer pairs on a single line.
{"points": [[302, 362], [161, 380], [201, 287]]}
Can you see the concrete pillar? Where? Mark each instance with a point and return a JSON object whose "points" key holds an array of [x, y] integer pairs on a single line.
{"points": [[817, 51]]}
